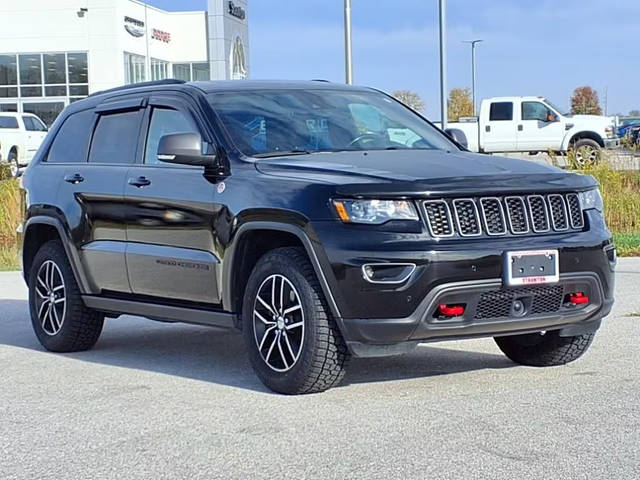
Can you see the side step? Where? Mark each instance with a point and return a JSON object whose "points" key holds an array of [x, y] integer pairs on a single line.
{"points": [[169, 313]]}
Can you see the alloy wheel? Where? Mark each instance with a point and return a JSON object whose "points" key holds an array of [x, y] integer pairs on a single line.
{"points": [[50, 298], [278, 323], [586, 156], [13, 168]]}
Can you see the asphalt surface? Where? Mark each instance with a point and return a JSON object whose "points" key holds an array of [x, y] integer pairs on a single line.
{"points": [[161, 401]]}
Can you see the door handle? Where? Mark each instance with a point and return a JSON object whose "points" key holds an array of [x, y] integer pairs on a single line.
{"points": [[75, 178], [519, 128], [140, 182], [487, 128]]}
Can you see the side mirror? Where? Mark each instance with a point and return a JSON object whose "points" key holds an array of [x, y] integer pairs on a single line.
{"points": [[185, 149], [457, 135]]}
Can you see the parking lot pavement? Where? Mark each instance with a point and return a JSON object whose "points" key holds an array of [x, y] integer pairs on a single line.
{"points": [[155, 401]]}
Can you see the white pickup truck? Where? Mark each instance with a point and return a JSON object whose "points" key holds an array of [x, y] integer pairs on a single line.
{"points": [[533, 124], [20, 137]]}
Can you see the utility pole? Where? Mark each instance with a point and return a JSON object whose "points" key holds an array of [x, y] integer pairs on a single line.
{"points": [[348, 58], [443, 64], [473, 71]]}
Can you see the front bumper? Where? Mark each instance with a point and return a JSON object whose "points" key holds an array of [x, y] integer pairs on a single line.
{"points": [[380, 319], [612, 142]]}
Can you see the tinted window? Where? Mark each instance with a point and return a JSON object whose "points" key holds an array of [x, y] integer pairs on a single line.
{"points": [[72, 140], [501, 111], [115, 138], [164, 122], [534, 111], [33, 124], [8, 122]]}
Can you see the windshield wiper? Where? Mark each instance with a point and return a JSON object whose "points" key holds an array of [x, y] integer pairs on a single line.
{"points": [[282, 153]]}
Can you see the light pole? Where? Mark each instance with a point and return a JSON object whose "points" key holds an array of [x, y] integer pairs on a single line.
{"points": [[443, 64], [348, 58], [473, 71]]}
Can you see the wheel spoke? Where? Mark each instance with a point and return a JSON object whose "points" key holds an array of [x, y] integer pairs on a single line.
{"points": [[44, 285], [273, 344], [292, 309], [273, 294], [42, 305], [284, 360], [58, 321], [40, 294], [52, 273], [266, 305], [47, 316], [59, 287], [262, 319], [264, 337], [294, 325], [286, 340], [59, 300]]}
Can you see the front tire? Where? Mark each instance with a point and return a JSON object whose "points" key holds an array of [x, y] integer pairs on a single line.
{"points": [[544, 349], [586, 152], [60, 320], [294, 344], [14, 168]]}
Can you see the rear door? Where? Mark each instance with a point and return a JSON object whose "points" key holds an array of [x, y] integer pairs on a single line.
{"points": [[498, 130], [171, 245], [92, 192], [535, 131]]}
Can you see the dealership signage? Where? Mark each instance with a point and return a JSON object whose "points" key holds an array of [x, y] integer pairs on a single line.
{"points": [[237, 11], [134, 27], [160, 35]]}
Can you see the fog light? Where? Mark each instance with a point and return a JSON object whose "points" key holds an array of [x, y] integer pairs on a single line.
{"points": [[368, 271]]}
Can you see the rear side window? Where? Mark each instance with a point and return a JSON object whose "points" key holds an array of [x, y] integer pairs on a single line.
{"points": [[8, 122], [71, 143], [115, 138], [32, 124], [501, 111]]}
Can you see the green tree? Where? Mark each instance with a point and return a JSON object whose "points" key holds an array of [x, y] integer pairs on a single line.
{"points": [[410, 99], [459, 104], [584, 101]]}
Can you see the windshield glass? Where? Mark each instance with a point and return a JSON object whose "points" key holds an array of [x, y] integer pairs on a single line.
{"points": [[266, 123], [556, 108]]}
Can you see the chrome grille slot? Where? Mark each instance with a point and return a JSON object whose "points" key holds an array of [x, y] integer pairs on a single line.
{"points": [[467, 217], [517, 215], [558, 211], [539, 213], [493, 216], [438, 218], [575, 212]]}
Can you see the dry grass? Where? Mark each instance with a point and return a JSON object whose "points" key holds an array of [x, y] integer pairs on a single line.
{"points": [[10, 211]]}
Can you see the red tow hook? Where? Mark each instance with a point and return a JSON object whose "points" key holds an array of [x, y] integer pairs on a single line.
{"points": [[578, 298], [450, 310]]}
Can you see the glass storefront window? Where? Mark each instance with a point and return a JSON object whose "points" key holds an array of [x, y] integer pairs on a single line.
{"points": [[8, 92], [46, 111], [8, 70], [54, 68], [78, 90], [182, 71], [134, 68], [30, 69], [159, 69], [55, 91], [31, 91], [8, 107], [201, 71], [77, 66]]}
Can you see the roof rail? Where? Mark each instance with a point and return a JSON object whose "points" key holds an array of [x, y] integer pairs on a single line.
{"points": [[320, 80], [166, 81]]}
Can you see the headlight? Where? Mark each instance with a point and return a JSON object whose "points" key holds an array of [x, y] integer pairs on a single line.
{"points": [[609, 131], [591, 199], [374, 212]]}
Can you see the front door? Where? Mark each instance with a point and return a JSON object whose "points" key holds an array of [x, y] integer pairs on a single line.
{"points": [[171, 248], [538, 129], [36, 131]]}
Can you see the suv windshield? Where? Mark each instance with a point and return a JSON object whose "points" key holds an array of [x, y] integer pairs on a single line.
{"points": [[265, 123]]}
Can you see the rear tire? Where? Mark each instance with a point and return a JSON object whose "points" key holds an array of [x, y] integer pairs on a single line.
{"points": [[544, 349], [294, 344], [60, 319], [12, 160]]}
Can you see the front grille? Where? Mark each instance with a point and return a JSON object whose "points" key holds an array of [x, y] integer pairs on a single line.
{"points": [[509, 215], [497, 304]]}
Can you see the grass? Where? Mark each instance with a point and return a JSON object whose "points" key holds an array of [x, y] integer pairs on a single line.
{"points": [[627, 244], [10, 208]]}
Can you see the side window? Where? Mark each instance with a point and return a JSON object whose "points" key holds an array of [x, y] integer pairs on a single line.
{"points": [[534, 111], [501, 111], [8, 122], [28, 124], [163, 122], [71, 143], [40, 127], [115, 138]]}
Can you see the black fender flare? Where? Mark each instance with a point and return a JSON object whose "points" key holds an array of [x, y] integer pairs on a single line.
{"points": [[228, 268], [67, 242]]}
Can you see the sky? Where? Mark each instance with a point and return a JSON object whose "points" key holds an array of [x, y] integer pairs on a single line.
{"points": [[530, 47]]}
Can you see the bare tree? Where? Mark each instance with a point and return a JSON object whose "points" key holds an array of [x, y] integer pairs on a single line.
{"points": [[459, 104], [410, 99], [585, 101]]}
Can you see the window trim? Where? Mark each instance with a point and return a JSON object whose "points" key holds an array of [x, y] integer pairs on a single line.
{"points": [[501, 119]]}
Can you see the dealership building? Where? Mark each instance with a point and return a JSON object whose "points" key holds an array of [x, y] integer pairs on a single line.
{"points": [[54, 52]]}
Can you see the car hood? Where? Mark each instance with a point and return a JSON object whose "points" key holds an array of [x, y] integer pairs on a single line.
{"points": [[410, 172], [593, 119]]}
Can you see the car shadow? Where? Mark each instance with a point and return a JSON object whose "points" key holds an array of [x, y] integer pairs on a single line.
{"points": [[218, 356]]}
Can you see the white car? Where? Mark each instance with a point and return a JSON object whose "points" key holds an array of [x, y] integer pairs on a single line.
{"points": [[20, 137], [533, 124]]}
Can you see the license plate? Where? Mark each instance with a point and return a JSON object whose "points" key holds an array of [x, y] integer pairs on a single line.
{"points": [[531, 267]]}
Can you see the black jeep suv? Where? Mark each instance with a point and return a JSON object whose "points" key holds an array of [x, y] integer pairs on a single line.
{"points": [[320, 220]]}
